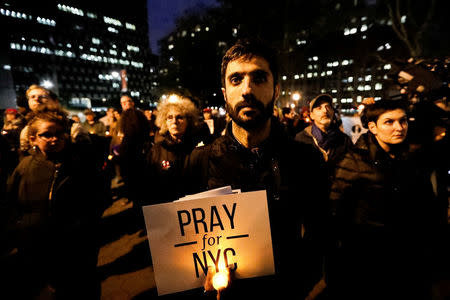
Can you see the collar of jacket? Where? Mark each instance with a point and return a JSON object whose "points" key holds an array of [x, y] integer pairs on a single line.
{"points": [[187, 143], [367, 144], [276, 136]]}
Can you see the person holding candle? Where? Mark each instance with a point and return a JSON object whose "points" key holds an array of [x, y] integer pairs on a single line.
{"points": [[255, 153]]}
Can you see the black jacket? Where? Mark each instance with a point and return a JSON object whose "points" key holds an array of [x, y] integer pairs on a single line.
{"points": [[165, 167], [382, 212], [52, 213], [336, 153], [294, 177]]}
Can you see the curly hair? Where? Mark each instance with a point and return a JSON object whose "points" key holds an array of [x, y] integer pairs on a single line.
{"points": [[184, 105]]}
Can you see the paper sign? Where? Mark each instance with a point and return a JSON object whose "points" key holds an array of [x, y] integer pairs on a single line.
{"points": [[188, 236]]}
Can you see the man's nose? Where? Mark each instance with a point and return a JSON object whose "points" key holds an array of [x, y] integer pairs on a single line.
{"points": [[247, 86]]}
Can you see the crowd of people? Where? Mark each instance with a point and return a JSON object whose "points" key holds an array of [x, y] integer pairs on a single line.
{"points": [[348, 221]]}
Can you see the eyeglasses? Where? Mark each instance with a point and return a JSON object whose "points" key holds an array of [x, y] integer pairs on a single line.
{"points": [[175, 118]]}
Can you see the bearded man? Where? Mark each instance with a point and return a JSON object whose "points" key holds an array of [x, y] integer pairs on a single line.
{"points": [[256, 154]]}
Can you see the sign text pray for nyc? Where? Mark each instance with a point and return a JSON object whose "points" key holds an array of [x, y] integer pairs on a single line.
{"points": [[186, 237]]}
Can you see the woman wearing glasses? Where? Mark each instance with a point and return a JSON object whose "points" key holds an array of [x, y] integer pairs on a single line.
{"points": [[179, 123], [50, 207]]}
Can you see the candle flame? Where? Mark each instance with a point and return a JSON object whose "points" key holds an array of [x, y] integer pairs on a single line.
{"points": [[221, 278]]}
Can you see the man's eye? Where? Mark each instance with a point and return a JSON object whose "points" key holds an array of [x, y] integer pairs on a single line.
{"points": [[235, 80], [260, 79]]}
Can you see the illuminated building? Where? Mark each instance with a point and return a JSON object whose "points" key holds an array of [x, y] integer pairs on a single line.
{"points": [[78, 49]]}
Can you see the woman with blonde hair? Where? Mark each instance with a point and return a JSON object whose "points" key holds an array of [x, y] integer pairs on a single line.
{"points": [[179, 122]]}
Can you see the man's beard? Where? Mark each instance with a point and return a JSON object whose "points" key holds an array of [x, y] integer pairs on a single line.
{"points": [[265, 113]]}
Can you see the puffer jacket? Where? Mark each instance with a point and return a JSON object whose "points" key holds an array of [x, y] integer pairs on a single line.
{"points": [[381, 210]]}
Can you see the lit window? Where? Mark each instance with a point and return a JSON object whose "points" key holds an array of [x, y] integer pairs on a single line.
{"points": [[111, 29], [378, 86], [130, 26], [368, 77], [387, 67], [112, 21], [296, 76], [363, 27], [284, 77]]}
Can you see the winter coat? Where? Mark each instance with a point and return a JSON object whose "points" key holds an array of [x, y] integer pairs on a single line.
{"points": [[165, 167], [344, 143], [52, 214], [381, 210], [293, 176]]}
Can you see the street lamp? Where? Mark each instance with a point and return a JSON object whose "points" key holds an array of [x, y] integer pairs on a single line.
{"points": [[47, 84], [296, 96]]}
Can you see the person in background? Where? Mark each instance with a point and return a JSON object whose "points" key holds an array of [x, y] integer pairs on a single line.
{"points": [[382, 206], [292, 121], [109, 120], [40, 98], [179, 122], [151, 117], [12, 126], [93, 126], [127, 147], [324, 133], [256, 154], [75, 119], [51, 215], [215, 124]]}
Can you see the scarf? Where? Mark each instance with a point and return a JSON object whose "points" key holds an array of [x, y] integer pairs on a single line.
{"points": [[326, 140]]}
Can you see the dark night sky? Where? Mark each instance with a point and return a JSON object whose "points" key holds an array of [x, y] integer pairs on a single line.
{"points": [[162, 15]]}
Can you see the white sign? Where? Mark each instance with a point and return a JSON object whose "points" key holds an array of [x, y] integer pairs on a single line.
{"points": [[227, 230]]}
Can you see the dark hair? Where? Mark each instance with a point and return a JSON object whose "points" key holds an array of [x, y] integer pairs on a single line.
{"points": [[249, 48], [372, 112], [285, 110]]}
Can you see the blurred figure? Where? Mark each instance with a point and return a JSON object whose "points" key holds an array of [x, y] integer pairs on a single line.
{"points": [[151, 117], [13, 125], [109, 120], [178, 120], [116, 113], [127, 102], [40, 98], [51, 209], [127, 148], [324, 133], [291, 121], [93, 126], [378, 196], [215, 124], [76, 119]]}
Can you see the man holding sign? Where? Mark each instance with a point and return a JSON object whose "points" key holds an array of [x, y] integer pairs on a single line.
{"points": [[256, 154]]}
